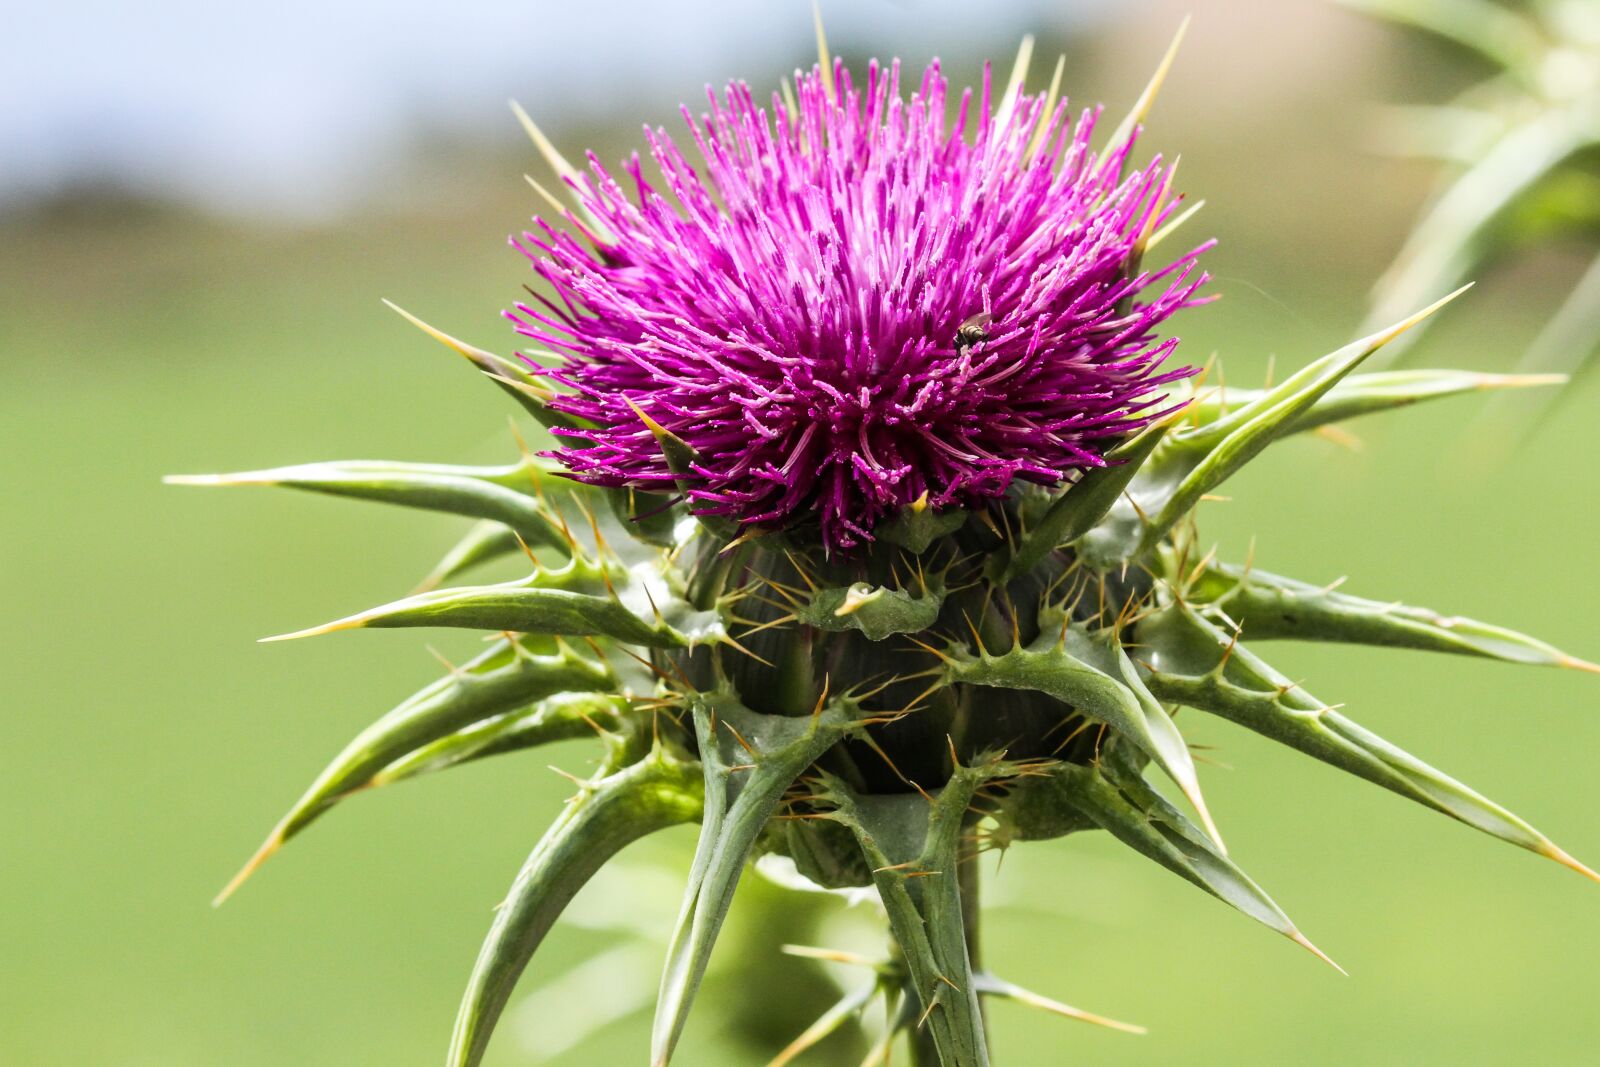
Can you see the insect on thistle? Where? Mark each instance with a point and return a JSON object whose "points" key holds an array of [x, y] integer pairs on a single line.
{"points": [[850, 600], [973, 331]]}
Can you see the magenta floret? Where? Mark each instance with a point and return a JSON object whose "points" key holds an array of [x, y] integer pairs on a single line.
{"points": [[856, 303]]}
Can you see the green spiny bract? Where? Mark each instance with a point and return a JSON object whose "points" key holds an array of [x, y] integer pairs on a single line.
{"points": [[977, 678]]}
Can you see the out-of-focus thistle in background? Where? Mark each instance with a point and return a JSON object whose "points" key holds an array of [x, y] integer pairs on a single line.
{"points": [[1517, 153]]}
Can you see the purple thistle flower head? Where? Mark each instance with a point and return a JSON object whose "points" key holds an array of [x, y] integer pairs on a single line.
{"points": [[855, 303]]}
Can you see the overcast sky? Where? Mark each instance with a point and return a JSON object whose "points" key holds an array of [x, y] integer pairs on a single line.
{"points": [[290, 106]]}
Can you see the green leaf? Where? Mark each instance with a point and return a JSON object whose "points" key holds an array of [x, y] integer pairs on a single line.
{"points": [[476, 492], [992, 986], [914, 843], [584, 598], [1460, 224], [487, 540], [1195, 664], [610, 812], [1267, 606], [505, 678], [1091, 674], [1116, 798], [513, 378], [1191, 463], [1367, 394], [1084, 503], [876, 611], [555, 718], [749, 761]]}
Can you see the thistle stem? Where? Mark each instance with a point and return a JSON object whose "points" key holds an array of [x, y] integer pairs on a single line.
{"points": [[923, 1051], [967, 879]]}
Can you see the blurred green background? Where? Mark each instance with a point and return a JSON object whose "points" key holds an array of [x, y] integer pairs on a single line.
{"points": [[149, 743]]}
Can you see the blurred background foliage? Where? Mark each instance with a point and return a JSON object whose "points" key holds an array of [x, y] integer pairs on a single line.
{"points": [[1517, 149], [198, 289]]}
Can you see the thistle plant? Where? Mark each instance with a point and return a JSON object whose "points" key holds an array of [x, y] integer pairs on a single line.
{"points": [[866, 536], [1515, 151]]}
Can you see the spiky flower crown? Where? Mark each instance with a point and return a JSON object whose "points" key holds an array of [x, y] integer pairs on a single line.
{"points": [[986, 649], [857, 306]]}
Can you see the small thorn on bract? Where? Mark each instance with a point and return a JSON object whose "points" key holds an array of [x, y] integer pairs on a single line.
{"points": [[832, 955], [1147, 99], [543, 396], [747, 535], [650, 424], [216, 479], [1340, 436], [727, 639], [824, 60], [1383, 337], [1047, 111], [1576, 664], [556, 205], [273, 842], [1304, 942], [472, 352], [933, 1002], [1552, 851], [1055, 1007], [1521, 381], [1067, 1011], [1108, 1023], [1142, 242], [1171, 226], [451, 667], [1019, 75], [855, 599], [569, 776], [1192, 791], [354, 622], [552, 156]]}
